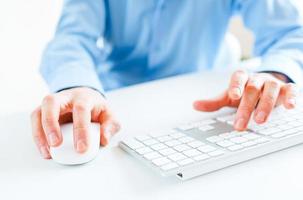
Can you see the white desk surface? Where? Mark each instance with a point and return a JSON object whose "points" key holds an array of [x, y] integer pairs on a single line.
{"points": [[116, 175]]}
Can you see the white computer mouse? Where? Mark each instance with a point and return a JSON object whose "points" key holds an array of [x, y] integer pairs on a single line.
{"points": [[66, 154]]}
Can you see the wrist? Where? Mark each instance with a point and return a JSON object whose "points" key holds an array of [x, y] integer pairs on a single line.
{"points": [[280, 76]]}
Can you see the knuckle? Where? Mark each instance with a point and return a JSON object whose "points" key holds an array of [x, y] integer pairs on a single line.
{"points": [[240, 72], [252, 88], [37, 139], [292, 87], [269, 100], [49, 99], [245, 110], [80, 106], [35, 113], [48, 122], [236, 83], [273, 84], [80, 131]]}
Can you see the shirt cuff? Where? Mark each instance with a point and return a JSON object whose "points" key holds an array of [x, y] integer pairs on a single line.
{"points": [[283, 65], [74, 76]]}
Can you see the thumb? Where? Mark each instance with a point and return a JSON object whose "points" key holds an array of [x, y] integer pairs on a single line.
{"points": [[109, 127], [212, 104]]}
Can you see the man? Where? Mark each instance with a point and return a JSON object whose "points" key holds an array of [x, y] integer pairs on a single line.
{"points": [[143, 40]]}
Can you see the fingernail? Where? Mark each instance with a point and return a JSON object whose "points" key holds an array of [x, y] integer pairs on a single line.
{"points": [[52, 138], [291, 101], [240, 123], [81, 146], [44, 152], [261, 116], [236, 92]]}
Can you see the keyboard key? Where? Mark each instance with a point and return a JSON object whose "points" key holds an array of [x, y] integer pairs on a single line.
{"points": [[201, 157], [206, 148], [248, 144], [261, 140], [150, 142], [185, 161], [152, 155], [207, 122], [203, 123], [158, 134], [177, 135], [216, 153], [186, 127], [164, 138], [269, 131], [225, 143], [230, 122], [238, 140], [172, 143], [158, 146], [251, 136], [167, 151], [270, 125], [299, 129], [226, 118], [278, 122], [195, 144], [144, 150], [182, 147], [192, 152], [235, 147], [143, 137], [256, 128], [177, 156], [240, 133], [161, 161], [278, 135], [206, 128], [133, 144], [295, 124], [290, 131], [186, 139], [214, 139], [284, 127], [169, 166], [227, 135]]}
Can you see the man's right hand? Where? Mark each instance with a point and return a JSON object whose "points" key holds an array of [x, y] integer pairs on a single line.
{"points": [[78, 105]]}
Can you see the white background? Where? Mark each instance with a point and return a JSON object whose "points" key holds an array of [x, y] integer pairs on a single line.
{"points": [[25, 28]]}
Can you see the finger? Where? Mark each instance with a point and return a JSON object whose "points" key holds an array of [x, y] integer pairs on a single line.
{"points": [[81, 123], [267, 101], [212, 104], [38, 134], [237, 84], [291, 92], [256, 82], [109, 126], [50, 111], [247, 105]]}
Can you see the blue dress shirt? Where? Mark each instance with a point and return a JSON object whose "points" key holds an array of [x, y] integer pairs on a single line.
{"points": [[107, 44]]}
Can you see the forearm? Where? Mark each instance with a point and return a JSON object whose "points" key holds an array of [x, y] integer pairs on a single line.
{"points": [[70, 58]]}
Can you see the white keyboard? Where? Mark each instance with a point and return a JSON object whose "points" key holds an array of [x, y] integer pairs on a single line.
{"points": [[201, 147]]}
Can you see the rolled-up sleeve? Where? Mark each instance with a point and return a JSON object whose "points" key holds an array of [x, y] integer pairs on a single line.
{"points": [[70, 59], [278, 29]]}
